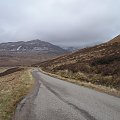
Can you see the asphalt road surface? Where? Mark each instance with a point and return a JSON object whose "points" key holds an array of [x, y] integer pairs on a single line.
{"points": [[54, 99]]}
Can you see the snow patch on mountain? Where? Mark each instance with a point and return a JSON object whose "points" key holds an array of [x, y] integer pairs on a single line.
{"points": [[19, 48]]}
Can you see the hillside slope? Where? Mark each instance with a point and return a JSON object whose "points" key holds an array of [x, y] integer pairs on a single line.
{"points": [[26, 53], [98, 65]]}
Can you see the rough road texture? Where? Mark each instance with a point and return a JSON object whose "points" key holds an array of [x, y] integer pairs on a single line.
{"points": [[60, 100]]}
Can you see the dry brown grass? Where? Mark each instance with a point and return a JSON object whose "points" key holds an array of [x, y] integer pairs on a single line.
{"points": [[12, 89]]}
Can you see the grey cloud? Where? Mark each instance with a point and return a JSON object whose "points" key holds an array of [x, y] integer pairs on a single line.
{"points": [[62, 22]]}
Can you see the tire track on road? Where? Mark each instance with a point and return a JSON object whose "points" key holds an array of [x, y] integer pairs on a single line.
{"points": [[82, 112]]}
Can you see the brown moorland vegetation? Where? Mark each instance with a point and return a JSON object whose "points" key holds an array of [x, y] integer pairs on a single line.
{"points": [[13, 87], [9, 59], [99, 65]]}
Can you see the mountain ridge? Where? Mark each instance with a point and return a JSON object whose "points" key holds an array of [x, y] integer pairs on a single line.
{"points": [[28, 52], [33, 45], [115, 40]]}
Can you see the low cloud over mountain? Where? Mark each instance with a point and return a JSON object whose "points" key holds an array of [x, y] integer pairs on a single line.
{"points": [[62, 22]]}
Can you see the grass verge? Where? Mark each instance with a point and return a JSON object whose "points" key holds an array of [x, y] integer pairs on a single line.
{"points": [[13, 88]]}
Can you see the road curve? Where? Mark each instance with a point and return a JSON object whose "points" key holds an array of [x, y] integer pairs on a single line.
{"points": [[59, 100]]}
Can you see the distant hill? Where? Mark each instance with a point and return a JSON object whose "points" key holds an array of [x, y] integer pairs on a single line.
{"points": [[33, 45], [26, 53], [98, 65], [71, 49]]}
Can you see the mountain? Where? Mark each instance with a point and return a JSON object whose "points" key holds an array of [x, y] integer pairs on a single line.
{"points": [[33, 45], [97, 65], [71, 49], [26, 53]]}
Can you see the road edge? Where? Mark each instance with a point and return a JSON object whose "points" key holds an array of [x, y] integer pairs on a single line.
{"points": [[23, 108], [98, 88]]}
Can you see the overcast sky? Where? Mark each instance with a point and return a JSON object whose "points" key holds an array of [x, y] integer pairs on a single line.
{"points": [[62, 22]]}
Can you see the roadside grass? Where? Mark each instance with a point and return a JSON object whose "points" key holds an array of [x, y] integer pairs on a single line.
{"points": [[13, 88], [96, 79]]}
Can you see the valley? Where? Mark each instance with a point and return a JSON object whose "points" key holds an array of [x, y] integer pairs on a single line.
{"points": [[59, 60], [43, 72]]}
